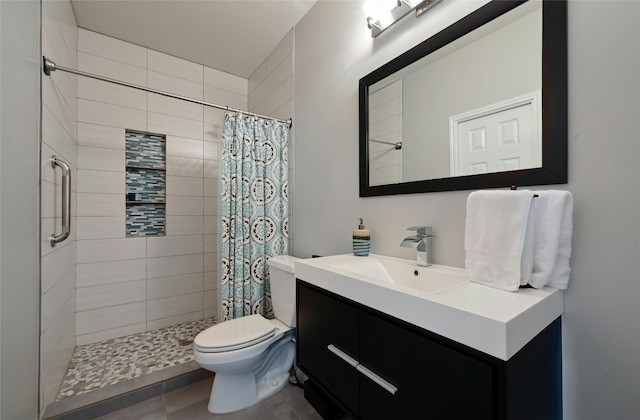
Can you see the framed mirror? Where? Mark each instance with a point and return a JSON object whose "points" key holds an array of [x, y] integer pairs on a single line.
{"points": [[481, 104]]}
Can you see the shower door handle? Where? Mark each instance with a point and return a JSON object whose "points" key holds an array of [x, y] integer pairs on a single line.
{"points": [[66, 201]]}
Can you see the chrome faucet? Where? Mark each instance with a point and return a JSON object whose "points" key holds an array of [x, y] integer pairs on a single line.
{"points": [[422, 242]]}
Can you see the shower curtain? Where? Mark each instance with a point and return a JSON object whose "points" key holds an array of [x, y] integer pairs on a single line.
{"points": [[254, 199]]}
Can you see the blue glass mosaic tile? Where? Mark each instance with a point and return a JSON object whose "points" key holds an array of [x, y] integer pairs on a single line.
{"points": [[145, 220], [145, 150], [146, 185]]}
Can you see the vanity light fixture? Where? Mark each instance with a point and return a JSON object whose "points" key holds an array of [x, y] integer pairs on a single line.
{"points": [[381, 14]]}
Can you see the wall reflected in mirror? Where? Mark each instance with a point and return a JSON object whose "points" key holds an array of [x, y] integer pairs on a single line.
{"points": [[471, 107]]}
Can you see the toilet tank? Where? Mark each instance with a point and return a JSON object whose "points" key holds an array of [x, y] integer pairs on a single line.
{"points": [[283, 288]]}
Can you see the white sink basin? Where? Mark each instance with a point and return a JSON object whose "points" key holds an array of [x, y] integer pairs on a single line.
{"points": [[400, 272], [439, 299]]}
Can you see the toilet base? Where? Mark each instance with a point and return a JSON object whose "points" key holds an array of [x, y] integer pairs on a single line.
{"points": [[233, 392]]}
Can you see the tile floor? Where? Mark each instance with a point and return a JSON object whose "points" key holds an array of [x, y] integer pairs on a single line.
{"points": [[190, 403], [106, 363]]}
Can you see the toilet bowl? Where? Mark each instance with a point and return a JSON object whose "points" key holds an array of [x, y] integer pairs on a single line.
{"points": [[251, 356]]}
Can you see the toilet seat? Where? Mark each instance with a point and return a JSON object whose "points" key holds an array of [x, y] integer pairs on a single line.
{"points": [[235, 334]]}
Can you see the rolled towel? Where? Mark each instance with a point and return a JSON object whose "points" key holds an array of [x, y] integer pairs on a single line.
{"points": [[495, 237], [552, 239]]}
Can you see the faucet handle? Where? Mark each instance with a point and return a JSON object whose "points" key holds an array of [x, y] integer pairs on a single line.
{"points": [[422, 230]]}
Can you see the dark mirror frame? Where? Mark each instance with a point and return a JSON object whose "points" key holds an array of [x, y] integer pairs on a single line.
{"points": [[554, 105]]}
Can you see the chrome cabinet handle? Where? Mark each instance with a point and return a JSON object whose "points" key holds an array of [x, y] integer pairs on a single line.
{"points": [[344, 356], [386, 385], [66, 201]]}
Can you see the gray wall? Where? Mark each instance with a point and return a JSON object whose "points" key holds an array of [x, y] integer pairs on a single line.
{"points": [[19, 172], [601, 324]]}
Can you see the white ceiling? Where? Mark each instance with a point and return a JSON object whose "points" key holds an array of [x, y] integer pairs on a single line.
{"points": [[234, 36]]}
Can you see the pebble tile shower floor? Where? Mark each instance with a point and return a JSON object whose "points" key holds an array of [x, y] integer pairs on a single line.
{"points": [[109, 362]]}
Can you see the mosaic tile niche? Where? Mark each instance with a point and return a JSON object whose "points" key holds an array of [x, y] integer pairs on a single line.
{"points": [[146, 166]]}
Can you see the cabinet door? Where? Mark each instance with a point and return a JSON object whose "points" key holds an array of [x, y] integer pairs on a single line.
{"points": [[433, 381], [324, 321]]}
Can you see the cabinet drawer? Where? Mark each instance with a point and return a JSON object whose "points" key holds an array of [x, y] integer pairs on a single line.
{"points": [[433, 381], [325, 321]]}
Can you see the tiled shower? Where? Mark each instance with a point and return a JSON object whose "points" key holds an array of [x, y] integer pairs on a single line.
{"points": [[103, 283]]}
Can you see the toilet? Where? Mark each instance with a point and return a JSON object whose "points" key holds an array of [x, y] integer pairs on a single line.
{"points": [[252, 356]]}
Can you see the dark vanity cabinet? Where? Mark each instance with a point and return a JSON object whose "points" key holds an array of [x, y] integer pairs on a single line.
{"points": [[368, 365]]}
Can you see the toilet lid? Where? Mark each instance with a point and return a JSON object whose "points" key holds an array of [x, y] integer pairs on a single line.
{"points": [[234, 334]]}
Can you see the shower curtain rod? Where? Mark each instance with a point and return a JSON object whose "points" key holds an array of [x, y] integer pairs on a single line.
{"points": [[50, 66]]}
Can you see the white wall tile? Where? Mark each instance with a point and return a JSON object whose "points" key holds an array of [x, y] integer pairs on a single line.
{"points": [[210, 225], [214, 115], [258, 78], [97, 159], [211, 169], [53, 99], [213, 131], [280, 52], [112, 115], [210, 262], [99, 91], [210, 313], [224, 97], [174, 66], [280, 74], [172, 286], [230, 82], [173, 320], [174, 266], [95, 274], [54, 300], [211, 280], [184, 225], [108, 295], [101, 227], [210, 243], [210, 206], [48, 202], [184, 147], [111, 317], [90, 204], [102, 250], [55, 265], [184, 206], [280, 95], [112, 69], [210, 187], [101, 182], [259, 107], [211, 150], [58, 138], [112, 48], [184, 186], [175, 85], [102, 136], [209, 298], [111, 333], [171, 106], [174, 245], [174, 126], [174, 305], [184, 166]]}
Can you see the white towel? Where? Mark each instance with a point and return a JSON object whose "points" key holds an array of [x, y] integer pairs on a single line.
{"points": [[495, 237], [552, 243]]}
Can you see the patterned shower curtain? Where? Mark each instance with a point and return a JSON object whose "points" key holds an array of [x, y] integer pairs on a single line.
{"points": [[254, 197]]}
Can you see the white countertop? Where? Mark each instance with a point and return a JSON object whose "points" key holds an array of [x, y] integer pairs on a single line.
{"points": [[492, 321]]}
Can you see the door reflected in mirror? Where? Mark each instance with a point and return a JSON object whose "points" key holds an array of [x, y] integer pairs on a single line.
{"points": [[466, 105], [450, 109]]}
